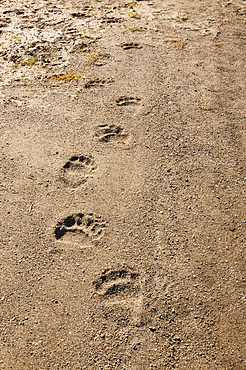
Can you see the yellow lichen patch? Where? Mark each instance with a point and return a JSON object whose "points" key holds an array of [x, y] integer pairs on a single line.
{"points": [[87, 35], [179, 44], [27, 62], [134, 14], [66, 77], [91, 59], [16, 37]]}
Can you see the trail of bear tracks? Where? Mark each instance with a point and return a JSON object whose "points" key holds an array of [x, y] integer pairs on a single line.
{"points": [[122, 185]]}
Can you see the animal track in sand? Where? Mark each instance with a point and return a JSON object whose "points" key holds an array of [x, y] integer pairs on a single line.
{"points": [[121, 289], [108, 133], [115, 282], [127, 100], [77, 170], [130, 45], [110, 20], [85, 13], [79, 228], [97, 82]]}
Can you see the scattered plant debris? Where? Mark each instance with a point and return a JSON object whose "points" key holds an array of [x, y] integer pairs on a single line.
{"points": [[67, 77]]}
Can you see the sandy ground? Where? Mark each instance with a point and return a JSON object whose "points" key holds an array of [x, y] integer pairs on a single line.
{"points": [[122, 185]]}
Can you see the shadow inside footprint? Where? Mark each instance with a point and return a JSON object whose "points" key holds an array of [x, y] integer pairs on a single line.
{"points": [[130, 45], [108, 133], [84, 13], [78, 161], [110, 20], [77, 169], [114, 282], [125, 100], [121, 291], [97, 82], [79, 227]]}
